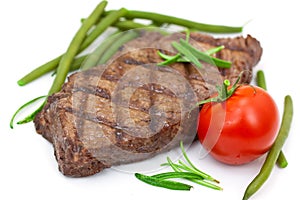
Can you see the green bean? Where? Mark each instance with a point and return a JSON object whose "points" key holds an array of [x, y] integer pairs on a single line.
{"points": [[40, 71], [272, 156], [51, 65], [260, 79], [173, 185], [103, 25], [129, 24], [76, 64], [261, 82], [93, 58], [124, 25], [281, 160], [125, 37], [74, 48], [104, 51], [66, 60], [160, 18], [79, 43]]}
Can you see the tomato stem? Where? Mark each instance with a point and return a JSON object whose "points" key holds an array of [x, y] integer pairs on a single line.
{"points": [[223, 92]]}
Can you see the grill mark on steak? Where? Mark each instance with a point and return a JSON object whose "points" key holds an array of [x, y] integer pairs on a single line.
{"points": [[148, 117], [91, 112], [131, 61], [153, 143], [125, 140], [134, 103], [95, 91]]}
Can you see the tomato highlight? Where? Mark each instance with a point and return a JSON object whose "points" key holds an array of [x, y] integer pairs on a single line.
{"points": [[241, 128]]}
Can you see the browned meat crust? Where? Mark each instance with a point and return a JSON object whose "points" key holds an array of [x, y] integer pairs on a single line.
{"points": [[130, 109]]}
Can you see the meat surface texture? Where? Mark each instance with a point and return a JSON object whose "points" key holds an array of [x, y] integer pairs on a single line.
{"points": [[130, 109]]}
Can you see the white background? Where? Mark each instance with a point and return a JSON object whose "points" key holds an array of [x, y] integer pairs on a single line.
{"points": [[33, 32]]}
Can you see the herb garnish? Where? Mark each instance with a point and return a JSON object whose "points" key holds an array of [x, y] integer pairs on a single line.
{"points": [[11, 124], [185, 170], [188, 53]]}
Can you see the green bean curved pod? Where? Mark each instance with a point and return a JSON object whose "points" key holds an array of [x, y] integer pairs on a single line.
{"points": [[261, 82], [260, 79], [125, 37], [40, 71], [272, 156], [161, 19], [88, 39], [93, 58], [74, 47], [129, 24], [281, 160], [102, 26]]}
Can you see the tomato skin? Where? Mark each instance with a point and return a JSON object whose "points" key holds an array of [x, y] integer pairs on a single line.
{"points": [[240, 129]]}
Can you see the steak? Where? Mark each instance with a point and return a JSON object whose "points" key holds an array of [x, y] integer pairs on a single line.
{"points": [[130, 109]]}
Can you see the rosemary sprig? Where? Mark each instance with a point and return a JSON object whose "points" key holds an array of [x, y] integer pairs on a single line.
{"points": [[184, 170], [11, 124], [188, 53], [204, 57]]}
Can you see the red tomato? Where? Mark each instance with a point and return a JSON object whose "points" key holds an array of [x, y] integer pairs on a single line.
{"points": [[240, 129]]}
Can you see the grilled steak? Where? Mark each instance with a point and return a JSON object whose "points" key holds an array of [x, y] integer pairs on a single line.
{"points": [[130, 109]]}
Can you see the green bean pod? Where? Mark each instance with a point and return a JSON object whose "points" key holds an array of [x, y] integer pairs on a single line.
{"points": [[39, 71], [88, 39], [272, 156], [67, 58], [111, 19], [281, 160], [121, 40], [161, 19], [93, 58], [260, 79], [261, 82], [104, 23], [74, 47], [129, 24]]}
